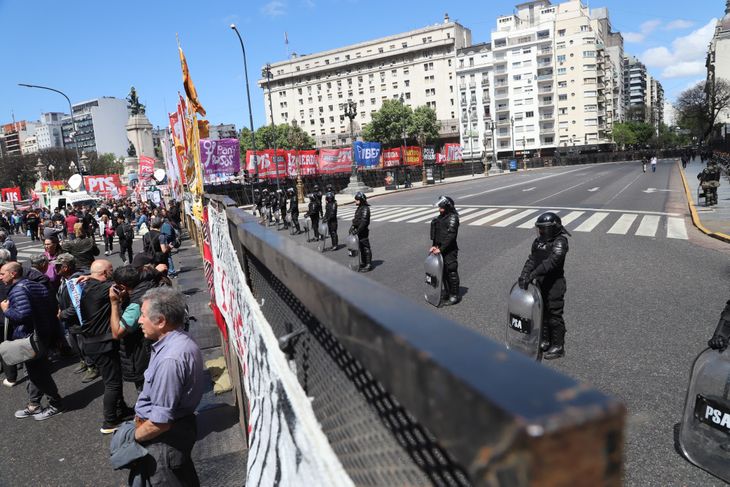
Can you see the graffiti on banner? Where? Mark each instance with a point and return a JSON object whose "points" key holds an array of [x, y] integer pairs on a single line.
{"points": [[107, 185], [367, 154], [11, 194], [304, 160], [220, 156], [333, 161], [391, 157], [413, 156], [286, 443]]}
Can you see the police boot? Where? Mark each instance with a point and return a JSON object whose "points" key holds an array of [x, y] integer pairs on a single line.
{"points": [[557, 348], [544, 338], [454, 297], [335, 241], [367, 257]]}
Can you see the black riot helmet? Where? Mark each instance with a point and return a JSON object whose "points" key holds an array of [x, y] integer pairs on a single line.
{"points": [[329, 188], [313, 197], [290, 191], [549, 225], [316, 188], [279, 191], [256, 191], [330, 196], [265, 191], [445, 202], [360, 196]]}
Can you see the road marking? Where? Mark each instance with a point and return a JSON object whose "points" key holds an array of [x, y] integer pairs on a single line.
{"points": [[591, 222], [402, 212], [564, 190], [623, 189], [570, 217], [522, 183], [648, 226], [529, 189], [622, 225], [657, 190], [514, 218], [493, 216], [593, 190], [429, 211], [676, 228], [475, 215]]}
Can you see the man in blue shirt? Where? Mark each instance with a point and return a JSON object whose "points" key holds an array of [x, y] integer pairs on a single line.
{"points": [[173, 387]]}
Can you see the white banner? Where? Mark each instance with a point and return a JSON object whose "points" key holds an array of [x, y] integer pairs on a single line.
{"points": [[286, 443]]}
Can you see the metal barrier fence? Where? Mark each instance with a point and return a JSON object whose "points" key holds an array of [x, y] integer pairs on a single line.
{"points": [[407, 397]]}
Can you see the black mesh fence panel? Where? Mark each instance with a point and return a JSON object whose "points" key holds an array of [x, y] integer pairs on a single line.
{"points": [[377, 441]]}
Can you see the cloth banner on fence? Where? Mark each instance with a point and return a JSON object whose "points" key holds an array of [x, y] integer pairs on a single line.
{"points": [[367, 154], [146, 168], [451, 153], [286, 444], [11, 194], [391, 157], [173, 177], [333, 161], [304, 160], [267, 169], [177, 131], [413, 156], [220, 156], [107, 185]]}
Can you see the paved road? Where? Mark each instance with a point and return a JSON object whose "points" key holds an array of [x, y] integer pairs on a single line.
{"points": [[642, 283]]}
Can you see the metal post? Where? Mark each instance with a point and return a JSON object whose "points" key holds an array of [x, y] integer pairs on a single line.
{"points": [[471, 145], [355, 185], [267, 74], [512, 131], [73, 125], [250, 112]]}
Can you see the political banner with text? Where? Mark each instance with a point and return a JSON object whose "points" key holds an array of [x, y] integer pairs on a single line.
{"points": [[413, 156], [285, 441], [146, 168], [391, 157], [267, 168], [220, 156], [452, 153], [303, 160], [333, 161], [11, 194], [367, 154], [57, 185], [107, 185]]}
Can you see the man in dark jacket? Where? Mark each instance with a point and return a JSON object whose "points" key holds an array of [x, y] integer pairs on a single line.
{"points": [[30, 312], [361, 228], [125, 233], [545, 266], [330, 216], [294, 209], [313, 212], [444, 232]]}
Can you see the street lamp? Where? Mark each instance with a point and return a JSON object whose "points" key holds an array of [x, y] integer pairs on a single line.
{"points": [[492, 125], [71, 112], [250, 112], [266, 72], [355, 185], [471, 145], [512, 132]]}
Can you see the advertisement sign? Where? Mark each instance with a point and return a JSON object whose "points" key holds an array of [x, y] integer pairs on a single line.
{"points": [[332, 161], [220, 156], [11, 194], [391, 157], [107, 185], [413, 156], [367, 154]]}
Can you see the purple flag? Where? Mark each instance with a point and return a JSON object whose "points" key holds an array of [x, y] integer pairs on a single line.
{"points": [[220, 156]]}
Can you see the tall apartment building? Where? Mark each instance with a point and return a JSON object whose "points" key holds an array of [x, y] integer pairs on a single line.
{"points": [[223, 131], [100, 126], [16, 137], [655, 104], [416, 66], [551, 82], [614, 48], [718, 57], [48, 133], [635, 89], [474, 73]]}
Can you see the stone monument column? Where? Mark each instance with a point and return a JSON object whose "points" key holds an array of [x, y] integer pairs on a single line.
{"points": [[139, 133]]}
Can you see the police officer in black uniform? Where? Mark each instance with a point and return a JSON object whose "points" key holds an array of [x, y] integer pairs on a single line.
{"points": [[330, 216], [266, 204], [281, 205], [257, 201], [318, 194], [444, 232], [545, 265], [719, 340], [294, 209], [361, 228], [313, 212]]}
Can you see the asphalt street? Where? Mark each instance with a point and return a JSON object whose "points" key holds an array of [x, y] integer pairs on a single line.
{"points": [[645, 288]]}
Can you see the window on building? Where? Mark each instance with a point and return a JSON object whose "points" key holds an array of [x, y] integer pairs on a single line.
{"points": [[584, 28], [561, 70], [589, 53], [562, 97], [516, 77], [589, 93], [561, 33], [562, 84], [561, 58], [529, 114]]}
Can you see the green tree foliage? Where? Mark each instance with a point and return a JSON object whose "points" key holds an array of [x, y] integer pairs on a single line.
{"points": [[103, 164], [699, 106], [286, 137], [623, 135], [424, 125], [389, 124]]}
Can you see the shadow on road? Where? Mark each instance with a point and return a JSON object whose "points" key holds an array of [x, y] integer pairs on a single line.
{"points": [[82, 398]]}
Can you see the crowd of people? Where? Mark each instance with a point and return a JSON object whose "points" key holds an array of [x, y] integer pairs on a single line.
{"points": [[122, 324]]}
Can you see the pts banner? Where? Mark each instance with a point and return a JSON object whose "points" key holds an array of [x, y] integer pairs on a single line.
{"points": [[107, 185]]}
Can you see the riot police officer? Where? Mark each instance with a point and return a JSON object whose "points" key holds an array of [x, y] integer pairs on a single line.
{"points": [[313, 212], [257, 201], [361, 228], [330, 216], [318, 194], [294, 209], [281, 205], [545, 266], [266, 204], [329, 189], [444, 232], [719, 340]]}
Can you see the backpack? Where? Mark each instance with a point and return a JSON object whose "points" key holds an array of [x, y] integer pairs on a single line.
{"points": [[128, 231], [151, 242]]}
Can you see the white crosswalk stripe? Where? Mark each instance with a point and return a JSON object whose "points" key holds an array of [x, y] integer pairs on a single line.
{"points": [[648, 226], [623, 224], [492, 217], [676, 228], [591, 223], [427, 212], [396, 214], [476, 215], [571, 217], [514, 218]]}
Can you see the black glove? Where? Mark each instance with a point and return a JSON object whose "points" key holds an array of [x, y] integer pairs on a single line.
{"points": [[717, 343], [523, 281]]}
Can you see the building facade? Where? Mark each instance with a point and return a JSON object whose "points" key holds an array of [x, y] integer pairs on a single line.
{"points": [[718, 57], [223, 131], [100, 126], [415, 66], [474, 74], [48, 134], [635, 89]]}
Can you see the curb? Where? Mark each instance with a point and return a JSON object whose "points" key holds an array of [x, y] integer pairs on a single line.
{"points": [[693, 211]]}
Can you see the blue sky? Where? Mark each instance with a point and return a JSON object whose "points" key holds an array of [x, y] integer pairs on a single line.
{"points": [[101, 48]]}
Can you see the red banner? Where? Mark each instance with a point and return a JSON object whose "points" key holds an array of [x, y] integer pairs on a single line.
{"points": [[146, 168], [451, 153], [59, 185], [107, 185], [413, 156], [267, 168], [305, 160], [332, 161], [391, 157], [11, 194]]}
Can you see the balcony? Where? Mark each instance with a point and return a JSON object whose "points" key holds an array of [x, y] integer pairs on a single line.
{"points": [[545, 63], [546, 89], [501, 96], [502, 108], [485, 82], [546, 103], [472, 84], [503, 122], [547, 130], [547, 116], [545, 50], [544, 77]]}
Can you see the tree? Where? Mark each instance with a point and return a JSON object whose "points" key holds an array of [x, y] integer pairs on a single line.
{"points": [[103, 164], [623, 135], [389, 124], [699, 106], [423, 125], [282, 134], [642, 131]]}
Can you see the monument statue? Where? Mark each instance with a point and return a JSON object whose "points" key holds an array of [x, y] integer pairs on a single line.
{"points": [[131, 151], [135, 107]]}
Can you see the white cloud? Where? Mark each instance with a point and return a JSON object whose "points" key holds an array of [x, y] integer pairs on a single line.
{"points": [[686, 57], [679, 24], [274, 8], [645, 29]]}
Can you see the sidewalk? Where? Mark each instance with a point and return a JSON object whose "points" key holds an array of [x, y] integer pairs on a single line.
{"points": [[713, 218]]}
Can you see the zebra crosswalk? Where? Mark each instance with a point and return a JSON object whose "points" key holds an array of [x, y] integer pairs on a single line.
{"points": [[611, 222], [29, 248]]}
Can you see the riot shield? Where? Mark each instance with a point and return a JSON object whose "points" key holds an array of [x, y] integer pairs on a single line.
{"points": [[290, 221], [704, 435], [525, 321], [353, 251], [434, 267], [277, 218], [324, 230], [307, 226]]}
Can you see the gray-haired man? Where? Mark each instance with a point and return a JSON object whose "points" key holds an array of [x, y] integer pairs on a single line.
{"points": [[173, 387], [7, 243]]}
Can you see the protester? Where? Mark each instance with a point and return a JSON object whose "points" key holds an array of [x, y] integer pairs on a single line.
{"points": [[7, 243], [10, 371], [125, 234], [83, 248], [108, 231], [71, 221], [52, 249]]}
